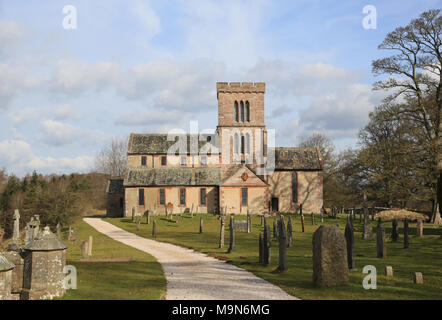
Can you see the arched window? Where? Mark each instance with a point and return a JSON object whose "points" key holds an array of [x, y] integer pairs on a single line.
{"points": [[242, 144], [236, 142], [242, 111], [236, 111], [247, 111], [247, 143]]}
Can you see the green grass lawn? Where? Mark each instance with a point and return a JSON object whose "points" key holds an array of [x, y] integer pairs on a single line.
{"points": [[140, 279], [424, 255]]}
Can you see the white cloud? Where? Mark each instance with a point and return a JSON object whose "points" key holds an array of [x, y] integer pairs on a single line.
{"points": [[149, 19], [58, 133], [17, 157]]}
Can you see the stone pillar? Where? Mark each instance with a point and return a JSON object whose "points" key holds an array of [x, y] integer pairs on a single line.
{"points": [[330, 266], [289, 232], [232, 235], [45, 258], [221, 232], [380, 240], [350, 239], [13, 245], [6, 268], [282, 238], [267, 244], [419, 228]]}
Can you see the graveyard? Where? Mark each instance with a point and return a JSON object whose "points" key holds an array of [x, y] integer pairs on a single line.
{"points": [[423, 254]]}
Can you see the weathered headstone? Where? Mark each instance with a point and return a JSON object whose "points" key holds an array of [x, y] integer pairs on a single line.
{"points": [[148, 216], [321, 214], [394, 231], [133, 214], [389, 271], [350, 239], [154, 227], [84, 250], [221, 232], [70, 233], [419, 228], [380, 240], [406, 242], [330, 266], [16, 230], [89, 245], [368, 229], [232, 235], [262, 220], [267, 245], [249, 222], [289, 232], [418, 278], [313, 219], [191, 211], [282, 238], [201, 225]]}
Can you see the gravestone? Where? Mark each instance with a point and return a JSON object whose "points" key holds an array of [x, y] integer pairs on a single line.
{"points": [[201, 225], [249, 222], [232, 235], [394, 231], [70, 233], [367, 233], [138, 220], [282, 239], [350, 239], [406, 242], [16, 258], [240, 225], [6, 268], [289, 232], [330, 265], [47, 282], [267, 245], [321, 215], [261, 247], [2, 234], [133, 214], [419, 228], [418, 278], [89, 245], [262, 220], [380, 240], [84, 250], [389, 271], [221, 232], [191, 211], [154, 227], [14, 245], [313, 219], [148, 216]]}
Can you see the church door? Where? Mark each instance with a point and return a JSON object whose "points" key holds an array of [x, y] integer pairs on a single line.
{"points": [[275, 205]]}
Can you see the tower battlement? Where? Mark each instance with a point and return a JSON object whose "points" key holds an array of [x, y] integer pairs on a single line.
{"points": [[236, 87]]}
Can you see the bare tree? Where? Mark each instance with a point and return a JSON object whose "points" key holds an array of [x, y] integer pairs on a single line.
{"points": [[416, 77], [112, 158]]}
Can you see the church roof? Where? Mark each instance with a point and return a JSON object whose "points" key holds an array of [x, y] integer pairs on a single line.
{"points": [[300, 158], [158, 144], [173, 177]]}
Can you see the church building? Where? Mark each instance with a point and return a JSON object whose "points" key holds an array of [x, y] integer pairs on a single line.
{"points": [[234, 170]]}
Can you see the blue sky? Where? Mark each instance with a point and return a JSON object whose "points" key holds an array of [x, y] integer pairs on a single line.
{"points": [[150, 66]]}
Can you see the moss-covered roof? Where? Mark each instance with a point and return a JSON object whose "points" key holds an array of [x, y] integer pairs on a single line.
{"points": [[173, 177], [305, 158], [158, 144]]}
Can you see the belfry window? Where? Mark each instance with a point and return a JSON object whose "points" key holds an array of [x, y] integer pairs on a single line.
{"points": [[242, 111], [247, 111], [236, 111], [236, 143]]}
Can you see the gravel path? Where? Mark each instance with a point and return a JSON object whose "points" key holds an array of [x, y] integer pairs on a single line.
{"points": [[193, 275]]}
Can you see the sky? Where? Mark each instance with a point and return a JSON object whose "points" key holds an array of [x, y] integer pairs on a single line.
{"points": [[152, 66]]}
